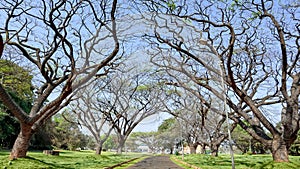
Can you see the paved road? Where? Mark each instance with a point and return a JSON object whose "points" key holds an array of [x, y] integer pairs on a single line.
{"points": [[155, 162]]}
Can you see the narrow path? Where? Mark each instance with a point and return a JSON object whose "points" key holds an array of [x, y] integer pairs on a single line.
{"points": [[155, 162]]}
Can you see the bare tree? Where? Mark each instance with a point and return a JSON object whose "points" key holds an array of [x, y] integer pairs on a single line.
{"points": [[257, 44], [67, 42], [128, 98], [86, 107], [202, 122], [148, 138]]}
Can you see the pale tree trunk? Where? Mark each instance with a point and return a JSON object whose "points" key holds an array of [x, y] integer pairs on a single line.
{"points": [[121, 145], [99, 149], [193, 148], [21, 144], [279, 150]]}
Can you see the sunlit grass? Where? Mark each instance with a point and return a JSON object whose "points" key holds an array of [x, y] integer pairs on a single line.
{"points": [[241, 162], [65, 160], [87, 159]]}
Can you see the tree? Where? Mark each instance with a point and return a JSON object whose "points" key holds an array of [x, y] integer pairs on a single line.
{"points": [[202, 124], [111, 142], [129, 97], [167, 124], [86, 107], [67, 43], [64, 133], [247, 144], [148, 138], [170, 134], [296, 146], [17, 81], [257, 45]]}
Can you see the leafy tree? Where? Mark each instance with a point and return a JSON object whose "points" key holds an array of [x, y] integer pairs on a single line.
{"points": [[166, 125], [169, 134], [111, 142], [66, 134], [247, 144], [17, 81], [296, 146], [8, 130]]}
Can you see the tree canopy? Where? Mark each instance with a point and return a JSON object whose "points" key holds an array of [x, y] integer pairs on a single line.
{"points": [[239, 59]]}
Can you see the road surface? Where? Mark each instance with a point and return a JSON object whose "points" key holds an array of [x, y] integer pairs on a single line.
{"points": [[155, 162]]}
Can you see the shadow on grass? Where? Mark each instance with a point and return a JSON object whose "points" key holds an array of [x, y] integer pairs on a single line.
{"points": [[241, 161], [51, 165], [267, 164], [4, 152]]}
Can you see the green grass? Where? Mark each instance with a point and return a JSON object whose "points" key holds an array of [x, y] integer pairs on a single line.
{"points": [[88, 160], [65, 160], [241, 162]]}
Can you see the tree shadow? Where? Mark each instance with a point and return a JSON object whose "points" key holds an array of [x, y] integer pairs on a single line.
{"points": [[51, 165]]}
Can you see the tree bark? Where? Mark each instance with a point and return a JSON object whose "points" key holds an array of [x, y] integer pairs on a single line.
{"points": [[214, 150], [22, 142], [202, 151], [193, 148], [279, 150], [99, 149], [119, 149], [120, 146]]}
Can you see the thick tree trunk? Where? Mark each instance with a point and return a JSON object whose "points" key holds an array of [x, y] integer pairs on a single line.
{"points": [[279, 150], [214, 150], [119, 149], [99, 149], [120, 146], [21, 144]]}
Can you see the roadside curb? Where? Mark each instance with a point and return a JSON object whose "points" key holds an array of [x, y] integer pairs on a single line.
{"points": [[185, 163]]}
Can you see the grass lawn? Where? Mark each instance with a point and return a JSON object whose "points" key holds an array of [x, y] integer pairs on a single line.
{"points": [[241, 162], [65, 160]]}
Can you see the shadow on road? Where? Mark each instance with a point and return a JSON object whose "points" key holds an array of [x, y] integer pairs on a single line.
{"points": [[155, 162]]}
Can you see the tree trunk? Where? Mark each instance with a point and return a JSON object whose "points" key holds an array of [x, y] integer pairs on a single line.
{"points": [[203, 149], [172, 150], [120, 146], [21, 144], [163, 150], [119, 149], [279, 150], [214, 150], [99, 149], [193, 148]]}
